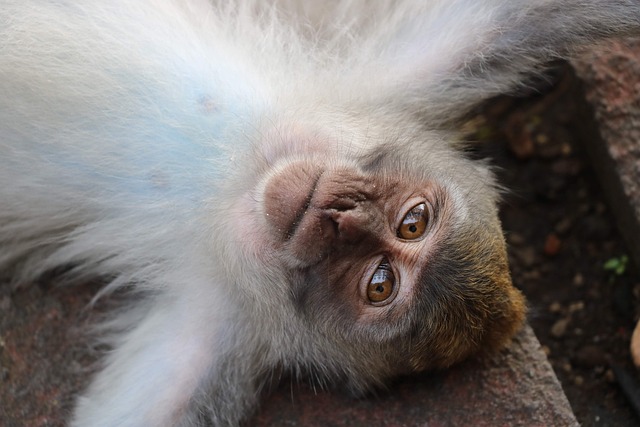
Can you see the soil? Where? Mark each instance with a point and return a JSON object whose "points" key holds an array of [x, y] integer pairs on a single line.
{"points": [[563, 244]]}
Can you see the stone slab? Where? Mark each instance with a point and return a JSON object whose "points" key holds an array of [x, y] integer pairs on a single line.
{"points": [[45, 359], [516, 387], [611, 77]]}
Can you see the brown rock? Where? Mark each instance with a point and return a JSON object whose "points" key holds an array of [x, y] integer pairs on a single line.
{"points": [[515, 387], [611, 78], [552, 245], [635, 345], [559, 329], [494, 391]]}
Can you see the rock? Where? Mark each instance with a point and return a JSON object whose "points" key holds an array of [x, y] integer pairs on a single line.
{"points": [[576, 306], [635, 345], [610, 74], [555, 307], [552, 245], [559, 329], [578, 280]]}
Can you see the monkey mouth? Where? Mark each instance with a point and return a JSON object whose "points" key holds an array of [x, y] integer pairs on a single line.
{"points": [[288, 196], [301, 212]]}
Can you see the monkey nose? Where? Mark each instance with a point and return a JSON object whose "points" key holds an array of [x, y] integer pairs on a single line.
{"points": [[352, 226]]}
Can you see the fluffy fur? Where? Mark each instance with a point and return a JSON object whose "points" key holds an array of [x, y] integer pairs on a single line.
{"points": [[135, 137]]}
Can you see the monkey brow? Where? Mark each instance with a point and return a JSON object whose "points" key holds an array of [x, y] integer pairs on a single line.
{"points": [[374, 161]]}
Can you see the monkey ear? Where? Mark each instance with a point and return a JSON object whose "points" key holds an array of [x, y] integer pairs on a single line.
{"points": [[452, 54]]}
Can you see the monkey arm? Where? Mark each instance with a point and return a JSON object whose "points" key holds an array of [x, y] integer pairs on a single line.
{"points": [[175, 357], [453, 54]]}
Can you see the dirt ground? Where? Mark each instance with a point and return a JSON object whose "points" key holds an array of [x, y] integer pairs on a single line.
{"points": [[566, 253]]}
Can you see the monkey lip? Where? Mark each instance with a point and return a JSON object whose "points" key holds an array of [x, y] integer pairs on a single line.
{"points": [[303, 210], [288, 196]]}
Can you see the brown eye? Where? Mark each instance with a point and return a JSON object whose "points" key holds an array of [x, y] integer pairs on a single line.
{"points": [[381, 284], [414, 222]]}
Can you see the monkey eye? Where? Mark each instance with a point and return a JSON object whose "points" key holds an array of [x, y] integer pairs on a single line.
{"points": [[414, 222], [382, 283]]}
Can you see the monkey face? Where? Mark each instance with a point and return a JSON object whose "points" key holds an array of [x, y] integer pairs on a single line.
{"points": [[392, 251]]}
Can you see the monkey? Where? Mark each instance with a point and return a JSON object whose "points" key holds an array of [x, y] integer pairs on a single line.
{"points": [[275, 185]]}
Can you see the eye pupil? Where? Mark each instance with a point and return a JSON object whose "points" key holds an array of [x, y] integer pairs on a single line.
{"points": [[382, 282], [414, 224]]}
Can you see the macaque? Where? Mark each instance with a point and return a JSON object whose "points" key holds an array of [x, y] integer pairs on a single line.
{"points": [[275, 185]]}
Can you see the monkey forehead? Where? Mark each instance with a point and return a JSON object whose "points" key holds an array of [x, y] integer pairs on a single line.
{"points": [[464, 299]]}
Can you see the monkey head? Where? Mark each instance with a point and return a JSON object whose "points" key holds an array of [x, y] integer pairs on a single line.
{"points": [[392, 251]]}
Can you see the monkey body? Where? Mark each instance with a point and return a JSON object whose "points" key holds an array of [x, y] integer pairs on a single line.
{"points": [[278, 185]]}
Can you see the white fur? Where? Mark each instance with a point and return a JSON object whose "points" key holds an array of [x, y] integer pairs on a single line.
{"points": [[132, 133]]}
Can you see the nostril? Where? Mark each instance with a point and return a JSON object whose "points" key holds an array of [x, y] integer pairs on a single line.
{"points": [[344, 204], [330, 224], [335, 224], [349, 226]]}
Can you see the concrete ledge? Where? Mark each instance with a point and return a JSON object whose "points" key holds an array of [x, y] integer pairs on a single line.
{"points": [[514, 388], [44, 360], [611, 77]]}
